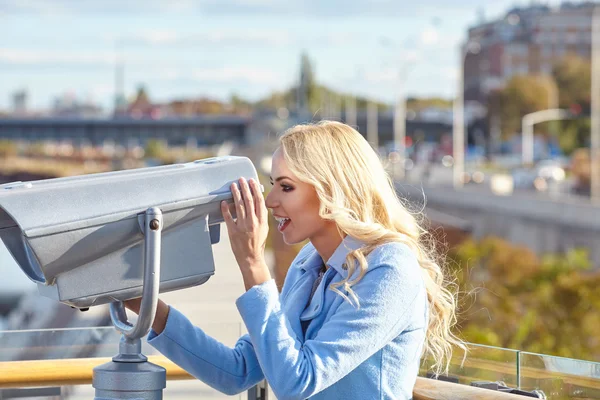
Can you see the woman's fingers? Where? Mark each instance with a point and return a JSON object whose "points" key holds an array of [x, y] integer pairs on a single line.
{"points": [[248, 199], [259, 201], [239, 204], [133, 304], [227, 216]]}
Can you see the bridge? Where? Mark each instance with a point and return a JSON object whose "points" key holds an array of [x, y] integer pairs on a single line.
{"points": [[537, 221]]}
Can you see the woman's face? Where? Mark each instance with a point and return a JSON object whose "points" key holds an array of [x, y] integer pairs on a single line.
{"points": [[294, 204]]}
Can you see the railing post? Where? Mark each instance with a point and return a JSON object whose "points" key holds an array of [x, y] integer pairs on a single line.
{"points": [[259, 392]]}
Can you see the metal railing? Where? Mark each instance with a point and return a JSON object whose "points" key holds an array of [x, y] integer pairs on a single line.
{"points": [[52, 374], [57, 358]]}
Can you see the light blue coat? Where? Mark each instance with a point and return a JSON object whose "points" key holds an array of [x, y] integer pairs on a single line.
{"points": [[370, 352]]}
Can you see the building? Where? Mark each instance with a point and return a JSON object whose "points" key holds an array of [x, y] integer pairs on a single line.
{"points": [[525, 41], [20, 102], [206, 130]]}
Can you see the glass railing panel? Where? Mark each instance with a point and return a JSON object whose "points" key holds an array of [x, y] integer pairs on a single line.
{"points": [[560, 378], [53, 344], [482, 363]]}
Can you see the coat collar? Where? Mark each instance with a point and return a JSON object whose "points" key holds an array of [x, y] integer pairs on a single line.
{"points": [[336, 261]]}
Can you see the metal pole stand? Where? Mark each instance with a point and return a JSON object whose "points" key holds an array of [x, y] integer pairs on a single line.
{"points": [[129, 375]]}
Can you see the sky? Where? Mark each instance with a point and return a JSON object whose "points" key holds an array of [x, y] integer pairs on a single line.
{"points": [[215, 48]]}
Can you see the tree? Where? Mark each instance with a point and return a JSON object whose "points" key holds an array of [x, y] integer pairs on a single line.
{"points": [[307, 91], [573, 77], [515, 299], [141, 97], [417, 104], [155, 149], [523, 94]]}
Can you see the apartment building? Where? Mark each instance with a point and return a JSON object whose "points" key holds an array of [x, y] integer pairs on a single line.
{"points": [[525, 41]]}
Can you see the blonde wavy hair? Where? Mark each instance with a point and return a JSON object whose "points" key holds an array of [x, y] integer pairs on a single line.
{"points": [[356, 192]]}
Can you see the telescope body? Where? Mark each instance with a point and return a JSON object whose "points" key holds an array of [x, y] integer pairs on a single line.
{"points": [[81, 239]]}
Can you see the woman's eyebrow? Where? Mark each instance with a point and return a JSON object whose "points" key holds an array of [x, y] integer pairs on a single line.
{"points": [[280, 178]]}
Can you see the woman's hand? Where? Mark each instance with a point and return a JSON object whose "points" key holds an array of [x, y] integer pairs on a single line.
{"points": [[160, 318], [248, 233]]}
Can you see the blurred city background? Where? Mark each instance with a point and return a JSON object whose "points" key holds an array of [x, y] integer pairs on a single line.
{"points": [[486, 114]]}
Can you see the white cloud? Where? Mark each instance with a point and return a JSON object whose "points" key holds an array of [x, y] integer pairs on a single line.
{"points": [[381, 76], [312, 8], [247, 74], [247, 37], [218, 37], [429, 36], [102, 90], [69, 7], [232, 75], [156, 37], [449, 73], [47, 57]]}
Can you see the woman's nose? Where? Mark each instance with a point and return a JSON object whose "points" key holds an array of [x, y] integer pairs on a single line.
{"points": [[269, 200]]}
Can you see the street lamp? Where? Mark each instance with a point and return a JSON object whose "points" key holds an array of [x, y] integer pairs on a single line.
{"points": [[119, 100], [372, 124], [400, 123], [527, 129], [350, 111], [399, 118], [458, 110], [595, 106]]}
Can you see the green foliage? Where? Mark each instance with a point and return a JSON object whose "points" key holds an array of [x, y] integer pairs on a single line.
{"points": [[568, 85], [8, 148], [317, 94], [573, 76], [142, 95], [511, 298], [417, 104], [155, 149], [523, 94]]}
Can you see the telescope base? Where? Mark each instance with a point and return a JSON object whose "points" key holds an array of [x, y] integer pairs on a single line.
{"points": [[129, 380]]}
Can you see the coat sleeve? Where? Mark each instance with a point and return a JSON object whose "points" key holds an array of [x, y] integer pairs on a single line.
{"points": [[298, 370], [229, 370]]}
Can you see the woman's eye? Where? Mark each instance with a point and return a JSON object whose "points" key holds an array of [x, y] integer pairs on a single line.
{"points": [[286, 188]]}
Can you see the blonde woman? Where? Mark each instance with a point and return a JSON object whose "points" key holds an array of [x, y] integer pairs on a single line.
{"points": [[362, 301]]}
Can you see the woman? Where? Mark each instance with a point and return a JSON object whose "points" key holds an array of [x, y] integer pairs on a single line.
{"points": [[361, 301]]}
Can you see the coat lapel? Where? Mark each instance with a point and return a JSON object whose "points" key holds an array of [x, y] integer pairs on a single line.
{"points": [[296, 300]]}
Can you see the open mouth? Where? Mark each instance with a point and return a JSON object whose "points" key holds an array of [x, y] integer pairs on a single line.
{"points": [[283, 223]]}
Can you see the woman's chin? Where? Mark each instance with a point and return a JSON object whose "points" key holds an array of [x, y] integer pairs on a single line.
{"points": [[291, 240]]}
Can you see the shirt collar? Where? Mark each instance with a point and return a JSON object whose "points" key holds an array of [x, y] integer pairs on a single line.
{"points": [[337, 260]]}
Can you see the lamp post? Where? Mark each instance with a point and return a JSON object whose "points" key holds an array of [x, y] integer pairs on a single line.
{"points": [[350, 111], [595, 106], [552, 93], [527, 129], [458, 111], [119, 83], [372, 124], [400, 123]]}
